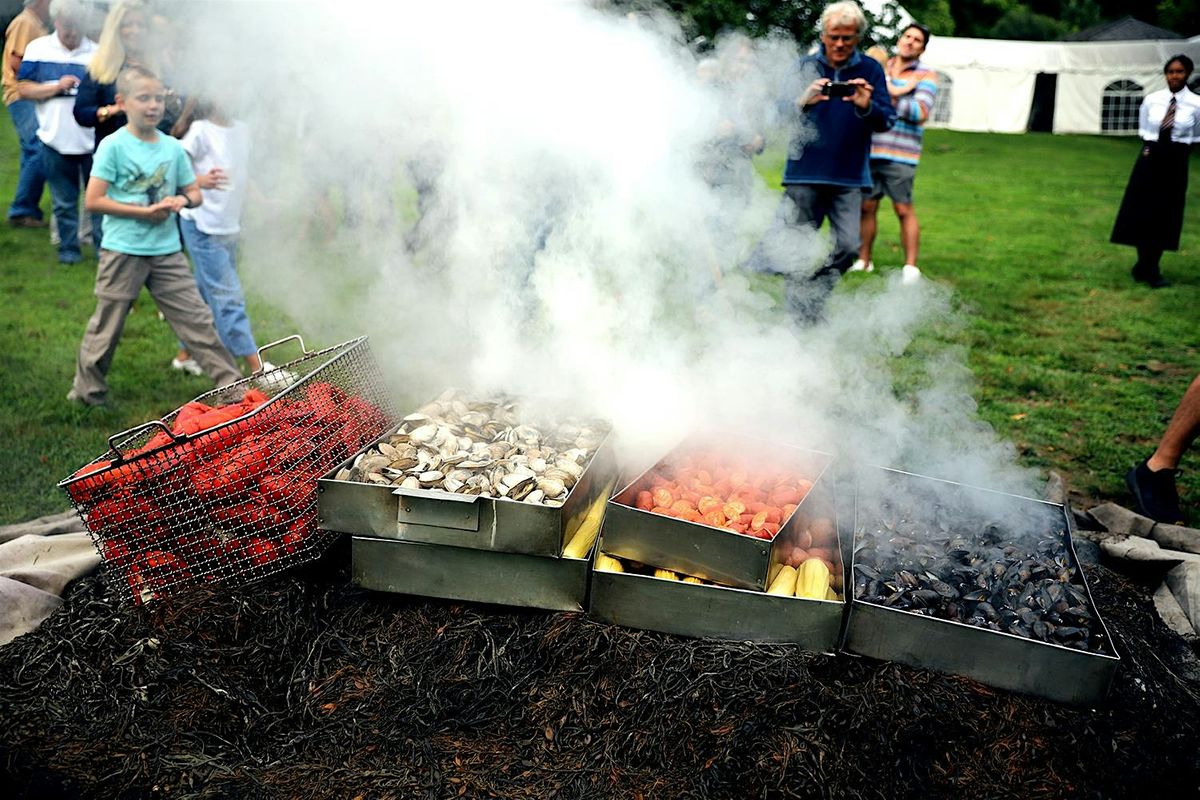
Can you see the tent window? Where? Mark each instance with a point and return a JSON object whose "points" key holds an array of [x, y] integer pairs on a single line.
{"points": [[941, 103], [1119, 107]]}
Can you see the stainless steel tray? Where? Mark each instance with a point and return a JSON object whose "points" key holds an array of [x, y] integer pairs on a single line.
{"points": [[463, 521], [714, 612], [997, 658], [708, 552], [461, 573]]}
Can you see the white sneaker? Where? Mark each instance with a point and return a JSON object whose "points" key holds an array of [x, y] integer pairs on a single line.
{"points": [[188, 365], [276, 378], [861, 266], [909, 274]]}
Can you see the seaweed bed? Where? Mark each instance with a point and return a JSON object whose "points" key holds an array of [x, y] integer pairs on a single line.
{"points": [[304, 686]]}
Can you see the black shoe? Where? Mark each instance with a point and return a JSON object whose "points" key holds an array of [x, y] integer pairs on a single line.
{"points": [[1154, 494], [1139, 275], [1158, 282]]}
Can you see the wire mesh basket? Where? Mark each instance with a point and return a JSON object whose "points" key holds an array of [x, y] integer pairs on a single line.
{"points": [[224, 488]]}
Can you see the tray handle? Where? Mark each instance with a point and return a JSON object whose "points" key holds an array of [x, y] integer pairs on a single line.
{"points": [[295, 336], [112, 440]]}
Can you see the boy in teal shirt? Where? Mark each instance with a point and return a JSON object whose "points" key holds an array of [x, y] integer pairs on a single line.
{"points": [[140, 179]]}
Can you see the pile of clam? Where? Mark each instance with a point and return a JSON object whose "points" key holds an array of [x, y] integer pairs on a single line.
{"points": [[980, 573], [464, 446]]}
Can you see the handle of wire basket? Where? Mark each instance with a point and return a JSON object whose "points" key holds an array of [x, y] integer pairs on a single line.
{"points": [[266, 347], [124, 435]]}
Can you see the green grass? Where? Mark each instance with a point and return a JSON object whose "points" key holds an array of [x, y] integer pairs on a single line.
{"points": [[1075, 364]]}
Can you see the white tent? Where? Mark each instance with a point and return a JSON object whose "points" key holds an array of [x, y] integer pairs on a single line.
{"points": [[988, 84]]}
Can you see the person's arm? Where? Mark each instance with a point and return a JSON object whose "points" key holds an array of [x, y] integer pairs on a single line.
{"points": [[188, 197], [29, 90], [90, 108], [917, 106], [97, 201], [872, 102], [14, 62]]}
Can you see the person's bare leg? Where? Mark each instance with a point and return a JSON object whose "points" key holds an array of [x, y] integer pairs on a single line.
{"points": [[867, 229], [1181, 431], [910, 231]]}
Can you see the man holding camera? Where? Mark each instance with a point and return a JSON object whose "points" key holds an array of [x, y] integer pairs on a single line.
{"points": [[828, 163]]}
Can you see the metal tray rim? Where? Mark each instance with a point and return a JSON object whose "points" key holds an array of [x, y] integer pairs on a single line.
{"points": [[1070, 529], [825, 468]]}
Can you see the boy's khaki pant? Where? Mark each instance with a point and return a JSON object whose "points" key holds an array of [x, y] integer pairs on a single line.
{"points": [[119, 279]]}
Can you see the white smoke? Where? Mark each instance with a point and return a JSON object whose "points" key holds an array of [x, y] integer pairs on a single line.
{"points": [[553, 199]]}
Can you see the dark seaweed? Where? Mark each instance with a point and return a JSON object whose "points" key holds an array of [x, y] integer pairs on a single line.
{"points": [[308, 687]]}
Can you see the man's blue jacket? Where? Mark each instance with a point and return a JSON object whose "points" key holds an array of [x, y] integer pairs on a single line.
{"points": [[833, 145]]}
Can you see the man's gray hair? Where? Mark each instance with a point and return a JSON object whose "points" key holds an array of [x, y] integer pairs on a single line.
{"points": [[844, 13], [70, 10]]}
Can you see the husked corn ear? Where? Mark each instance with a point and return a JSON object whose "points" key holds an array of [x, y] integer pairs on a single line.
{"points": [[813, 580], [784, 583], [608, 563], [581, 542], [690, 579], [666, 573], [831, 594]]}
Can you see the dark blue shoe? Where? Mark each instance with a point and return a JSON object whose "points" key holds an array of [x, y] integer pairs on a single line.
{"points": [[1155, 495], [69, 258]]}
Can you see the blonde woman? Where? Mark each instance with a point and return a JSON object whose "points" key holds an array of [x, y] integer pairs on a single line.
{"points": [[124, 42]]}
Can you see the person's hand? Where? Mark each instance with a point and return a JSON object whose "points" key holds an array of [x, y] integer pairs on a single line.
{"points": [[66, 83], [755, 145], [159, 211], [175, 203], [862, 93], [899, 88], [215, 178], [813, 95]]}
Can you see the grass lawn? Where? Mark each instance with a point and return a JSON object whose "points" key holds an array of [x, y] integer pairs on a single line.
{"points": [[1075, 364]]}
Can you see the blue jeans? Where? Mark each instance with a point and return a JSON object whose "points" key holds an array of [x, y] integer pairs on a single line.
{"points": [[31, 180], [214, 259], [65, 174]]}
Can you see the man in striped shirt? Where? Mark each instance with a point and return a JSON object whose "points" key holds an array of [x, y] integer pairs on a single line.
{"points": [[896, 152]]}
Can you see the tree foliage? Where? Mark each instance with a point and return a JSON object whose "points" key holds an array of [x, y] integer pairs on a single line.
{"points": [[1039, 20]]}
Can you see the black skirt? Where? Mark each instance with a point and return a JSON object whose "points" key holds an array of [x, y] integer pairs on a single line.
{"points": [[1151, 213]]}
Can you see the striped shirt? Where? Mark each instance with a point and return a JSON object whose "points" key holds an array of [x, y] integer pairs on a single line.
{"points": [[903, 142], [46, 60]]}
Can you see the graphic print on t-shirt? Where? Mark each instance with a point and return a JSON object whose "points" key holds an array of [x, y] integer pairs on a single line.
{"points": [[140, 183]]}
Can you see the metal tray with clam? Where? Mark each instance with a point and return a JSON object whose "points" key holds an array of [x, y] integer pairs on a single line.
{"points": [[473, 473], [974, 582]]}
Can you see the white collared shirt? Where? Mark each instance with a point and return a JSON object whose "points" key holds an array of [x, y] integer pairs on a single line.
{"points": [[1187, 115]]}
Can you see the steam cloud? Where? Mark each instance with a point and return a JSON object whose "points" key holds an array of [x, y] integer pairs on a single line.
{"points": [[581, 184]]}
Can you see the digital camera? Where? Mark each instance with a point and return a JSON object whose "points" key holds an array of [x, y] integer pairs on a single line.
{"points": [[838, 89]]}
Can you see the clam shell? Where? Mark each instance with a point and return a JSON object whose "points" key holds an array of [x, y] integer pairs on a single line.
{"points": [[432, 476], [552, 487], [424, 434], [411, 482]]}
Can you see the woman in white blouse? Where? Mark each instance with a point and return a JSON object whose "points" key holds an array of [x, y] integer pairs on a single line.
{"points": [[1151, 214]]}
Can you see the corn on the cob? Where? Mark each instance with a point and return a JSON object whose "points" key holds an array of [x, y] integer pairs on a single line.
{"points": [[582, 541], [666, 573], [813, 580], [784, 583], [607, 563], [690, 579], [831, 594]]}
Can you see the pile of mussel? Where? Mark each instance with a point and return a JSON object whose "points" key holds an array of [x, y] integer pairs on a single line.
{"points": [[980, 573], [485, 447]]}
